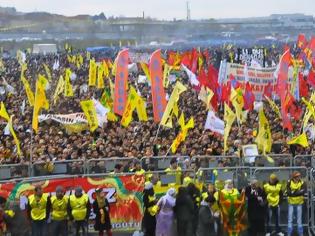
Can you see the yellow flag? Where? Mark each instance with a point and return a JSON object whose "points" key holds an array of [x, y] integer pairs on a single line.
{"points": [[141, 110], [68, 87], [15, 138], [238, 103], [40, 100], [200, 62], [59, 89], [145, 69], [47, 72], [29, 92], [300, 140], [264, 139], [92, 73], [90, 113], [3, 112], [274, 107], [166, 73], [183, 133], [23, 69], [88, 55], [229, 118], [206, 95], [167, 118], [131, 105], [100, 77], [114, 65], [310, 111], [106, 70]]}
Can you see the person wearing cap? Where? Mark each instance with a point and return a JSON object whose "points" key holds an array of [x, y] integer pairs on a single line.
{"points": [[274, 197], [79, 210], [206, 218], [296, 189], [174, 169], [38, 210], [101, 209], [256, 208], [150, 210], [59, 213]]}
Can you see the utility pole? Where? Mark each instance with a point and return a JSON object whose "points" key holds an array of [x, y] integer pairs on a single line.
{"points": [[188, 11]]}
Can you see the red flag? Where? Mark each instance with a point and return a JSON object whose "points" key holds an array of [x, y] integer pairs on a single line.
{"points": [[281, 87], [226, 92], [121, 78], [249, 98], [203, 79], [194, 61], [186, 59], [301, 42], [303, 86], [311, 78], [292, 107], [213, 74], [268, 90], [286, 123], [310, 49], [207, 56], [214, 102], [157, 89]]}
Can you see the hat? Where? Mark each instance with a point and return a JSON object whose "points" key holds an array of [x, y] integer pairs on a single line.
{"points": [[273, 176], [78, 190], [296, 174], [98, 190]]}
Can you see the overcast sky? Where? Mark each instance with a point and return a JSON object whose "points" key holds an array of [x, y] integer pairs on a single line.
{"points": [[166, 9]]}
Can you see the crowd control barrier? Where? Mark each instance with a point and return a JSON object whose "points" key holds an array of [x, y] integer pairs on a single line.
{"points": [[217, 161], [106, 165], [163, 162], [14, 171]]}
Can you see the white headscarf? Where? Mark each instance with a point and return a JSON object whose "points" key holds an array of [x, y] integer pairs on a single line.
{"points": [[168, 197]]}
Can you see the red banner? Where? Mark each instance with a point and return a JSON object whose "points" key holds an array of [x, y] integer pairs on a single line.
{"points": [[121, 81], [157, 89]]}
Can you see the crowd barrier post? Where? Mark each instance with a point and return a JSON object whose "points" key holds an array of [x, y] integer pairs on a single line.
{"points": [[303, 160], [312, 199]]}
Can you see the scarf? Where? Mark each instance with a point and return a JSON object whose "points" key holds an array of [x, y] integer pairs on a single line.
{"points": [[101, 205]]}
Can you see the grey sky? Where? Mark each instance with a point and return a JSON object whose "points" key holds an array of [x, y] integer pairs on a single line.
{"points": [[166, 9]]}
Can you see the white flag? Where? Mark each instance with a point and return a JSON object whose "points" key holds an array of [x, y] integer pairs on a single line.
{"points": [[192, 77], [101, 112], [214, 123]]}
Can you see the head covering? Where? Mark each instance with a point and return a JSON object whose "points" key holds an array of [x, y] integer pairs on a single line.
{"points": [[78, 190], [148, 185], [273, 176], [296, 174], [253, 181], [171, 192], [227, 184], [169, 197], [98, 190]]}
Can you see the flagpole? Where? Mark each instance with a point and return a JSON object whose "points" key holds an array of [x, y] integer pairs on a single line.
{"points": [[157, 132], [168, 151]]}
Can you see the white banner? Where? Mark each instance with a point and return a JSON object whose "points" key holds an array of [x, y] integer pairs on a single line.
{"points": [[64, 119], [214, 123]]}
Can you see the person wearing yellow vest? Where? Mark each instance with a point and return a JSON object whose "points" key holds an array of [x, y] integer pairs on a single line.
{"points": [[174, 169], [59, 213], [138, 168], [150, 210], [38, 210], [274, 197], [296, 189], [79, 210], [101, 208], [229, 191]]}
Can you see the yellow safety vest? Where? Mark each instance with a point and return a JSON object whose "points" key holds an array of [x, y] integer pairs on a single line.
{"points": [[187, 180], [78, 206], [273, 194], [140, 172], [177, 173], [38, 206], [59, 208], [295, 187]]}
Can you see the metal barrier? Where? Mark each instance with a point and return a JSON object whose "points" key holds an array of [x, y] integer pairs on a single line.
{"points": [[217, 161], [307, 161], [280, 160], [105, 165], [14, 171], [70, 167], [157, 163], [312, 199]]}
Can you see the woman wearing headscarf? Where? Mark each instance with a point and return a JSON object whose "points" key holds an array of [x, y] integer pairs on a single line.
{"points": [[150, 210], [165, 217], [101, 209], [184, 210]]}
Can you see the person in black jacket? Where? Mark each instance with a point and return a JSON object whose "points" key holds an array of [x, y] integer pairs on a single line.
{"points": [[206, 218], [256, 208], [195, 195], [101, 209], [150, 210], [184, 211]]}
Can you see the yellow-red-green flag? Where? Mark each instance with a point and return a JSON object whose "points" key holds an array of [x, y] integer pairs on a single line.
{"points": [[264, 139], [300, 140], [90, 112]]}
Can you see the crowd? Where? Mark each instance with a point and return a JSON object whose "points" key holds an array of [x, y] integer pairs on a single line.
{"points": [[54, 142]]}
